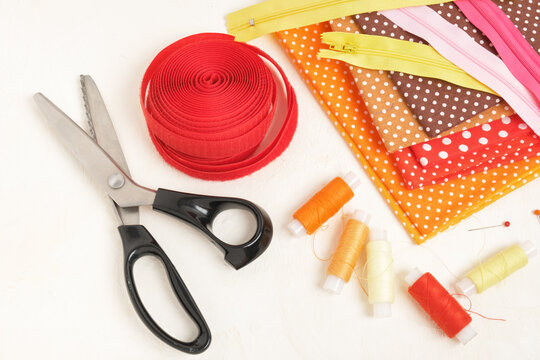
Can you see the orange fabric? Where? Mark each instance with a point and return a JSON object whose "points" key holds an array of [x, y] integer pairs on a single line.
{"points": [[424, 212]]}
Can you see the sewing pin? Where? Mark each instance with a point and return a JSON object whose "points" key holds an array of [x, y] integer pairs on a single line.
{"points": [[537, 213], [505, 224]]}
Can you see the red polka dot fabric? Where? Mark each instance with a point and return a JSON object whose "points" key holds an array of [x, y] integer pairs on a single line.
{"points": [[463, 146], [419, 172]]}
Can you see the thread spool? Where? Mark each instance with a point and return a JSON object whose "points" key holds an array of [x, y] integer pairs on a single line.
{"points": [[348, 251], [380, 273], [324, 204], [440, 305], [496, 268]]}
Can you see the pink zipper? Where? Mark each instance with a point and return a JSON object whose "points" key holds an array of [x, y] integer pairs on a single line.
{"points": [[518, 55]]}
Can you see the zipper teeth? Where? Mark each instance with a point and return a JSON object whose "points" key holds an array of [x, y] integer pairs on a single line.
{"points": [[288, 12], [501, 34], [390, 54]]}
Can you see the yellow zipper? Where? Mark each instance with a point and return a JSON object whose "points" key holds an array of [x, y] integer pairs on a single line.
{"points": [[276, 15], [348, 49], [384, 53]]}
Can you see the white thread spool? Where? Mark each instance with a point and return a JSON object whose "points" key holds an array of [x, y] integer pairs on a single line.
{"points": [[380, 273]]}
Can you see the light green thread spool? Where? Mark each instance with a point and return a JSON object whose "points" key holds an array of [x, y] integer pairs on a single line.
{"points": [[496, 269]]}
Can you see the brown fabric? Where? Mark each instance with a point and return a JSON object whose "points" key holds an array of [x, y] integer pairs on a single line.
{"points": [[525, 14], [393, 119], [437, 104]]}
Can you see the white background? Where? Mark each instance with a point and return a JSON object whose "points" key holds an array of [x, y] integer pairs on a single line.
{"points": [[62, 294]]}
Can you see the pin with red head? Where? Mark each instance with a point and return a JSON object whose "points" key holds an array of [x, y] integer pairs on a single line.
{"points": [[505, 224]]}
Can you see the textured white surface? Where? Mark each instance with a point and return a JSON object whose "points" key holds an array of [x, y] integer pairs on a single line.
{"points": [[62, 293]]}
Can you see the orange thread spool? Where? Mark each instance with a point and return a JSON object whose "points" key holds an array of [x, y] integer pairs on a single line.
{"points": [[348, 251], [323, 205]]}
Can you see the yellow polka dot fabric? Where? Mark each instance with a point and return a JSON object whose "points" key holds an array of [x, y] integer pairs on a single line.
{"points": [[392, 117], [424, 212]]}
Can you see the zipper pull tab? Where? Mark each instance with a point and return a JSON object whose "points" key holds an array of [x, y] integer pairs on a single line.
{"points": [[346, 48]]}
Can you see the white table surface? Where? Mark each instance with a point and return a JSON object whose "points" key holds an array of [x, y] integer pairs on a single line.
{"points": [[62, 292]]}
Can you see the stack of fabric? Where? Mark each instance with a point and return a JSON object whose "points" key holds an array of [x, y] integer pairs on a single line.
{"points": [[440, 103], [437, 130]]}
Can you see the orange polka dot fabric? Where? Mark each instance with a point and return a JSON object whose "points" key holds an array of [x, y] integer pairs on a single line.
{"points": [[396, 123], [426, 211]]}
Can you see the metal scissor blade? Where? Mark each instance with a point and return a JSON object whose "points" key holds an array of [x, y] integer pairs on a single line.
{"points": [[100, 122], [94, 159], [103, 132]]}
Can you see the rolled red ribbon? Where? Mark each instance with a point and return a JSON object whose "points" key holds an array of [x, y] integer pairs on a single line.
{"points": [[209, 103]]}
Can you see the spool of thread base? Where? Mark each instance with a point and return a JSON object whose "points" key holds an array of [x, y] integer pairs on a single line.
{"points": [[333, 284]]}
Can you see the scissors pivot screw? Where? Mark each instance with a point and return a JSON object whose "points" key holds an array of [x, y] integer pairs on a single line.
{"points": [[116, 181]]}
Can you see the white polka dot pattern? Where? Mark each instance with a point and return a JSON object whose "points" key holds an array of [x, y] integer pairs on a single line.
{"points": [[525, 14], [419, 173], [424, 211], [465, 147]]}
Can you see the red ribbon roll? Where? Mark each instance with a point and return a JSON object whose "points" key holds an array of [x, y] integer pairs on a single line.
{"points": [[210, 104]]}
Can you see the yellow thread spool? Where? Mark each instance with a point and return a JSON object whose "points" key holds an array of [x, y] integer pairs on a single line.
{"points": [[323, 205], [496, 269], [348, 251], [380, 273]]}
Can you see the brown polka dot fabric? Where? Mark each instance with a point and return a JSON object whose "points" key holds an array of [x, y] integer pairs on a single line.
{"points": [[393, 119], [437, 104], [525, 14]]}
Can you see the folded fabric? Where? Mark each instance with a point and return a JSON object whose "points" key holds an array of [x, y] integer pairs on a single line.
{"points": [[423, 212], [384, 53], [518, 55], [497, 156], [483, 147], [463, 146], [457, 46], [391, 115], [438, 105]]}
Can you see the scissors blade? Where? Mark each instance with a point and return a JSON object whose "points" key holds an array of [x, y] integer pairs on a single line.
{"points": [[103, 132], [100, 122], [98, 164]]}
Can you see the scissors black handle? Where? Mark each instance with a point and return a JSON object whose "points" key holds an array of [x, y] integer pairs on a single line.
{"points": [[201, 210], [138, 242]]}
